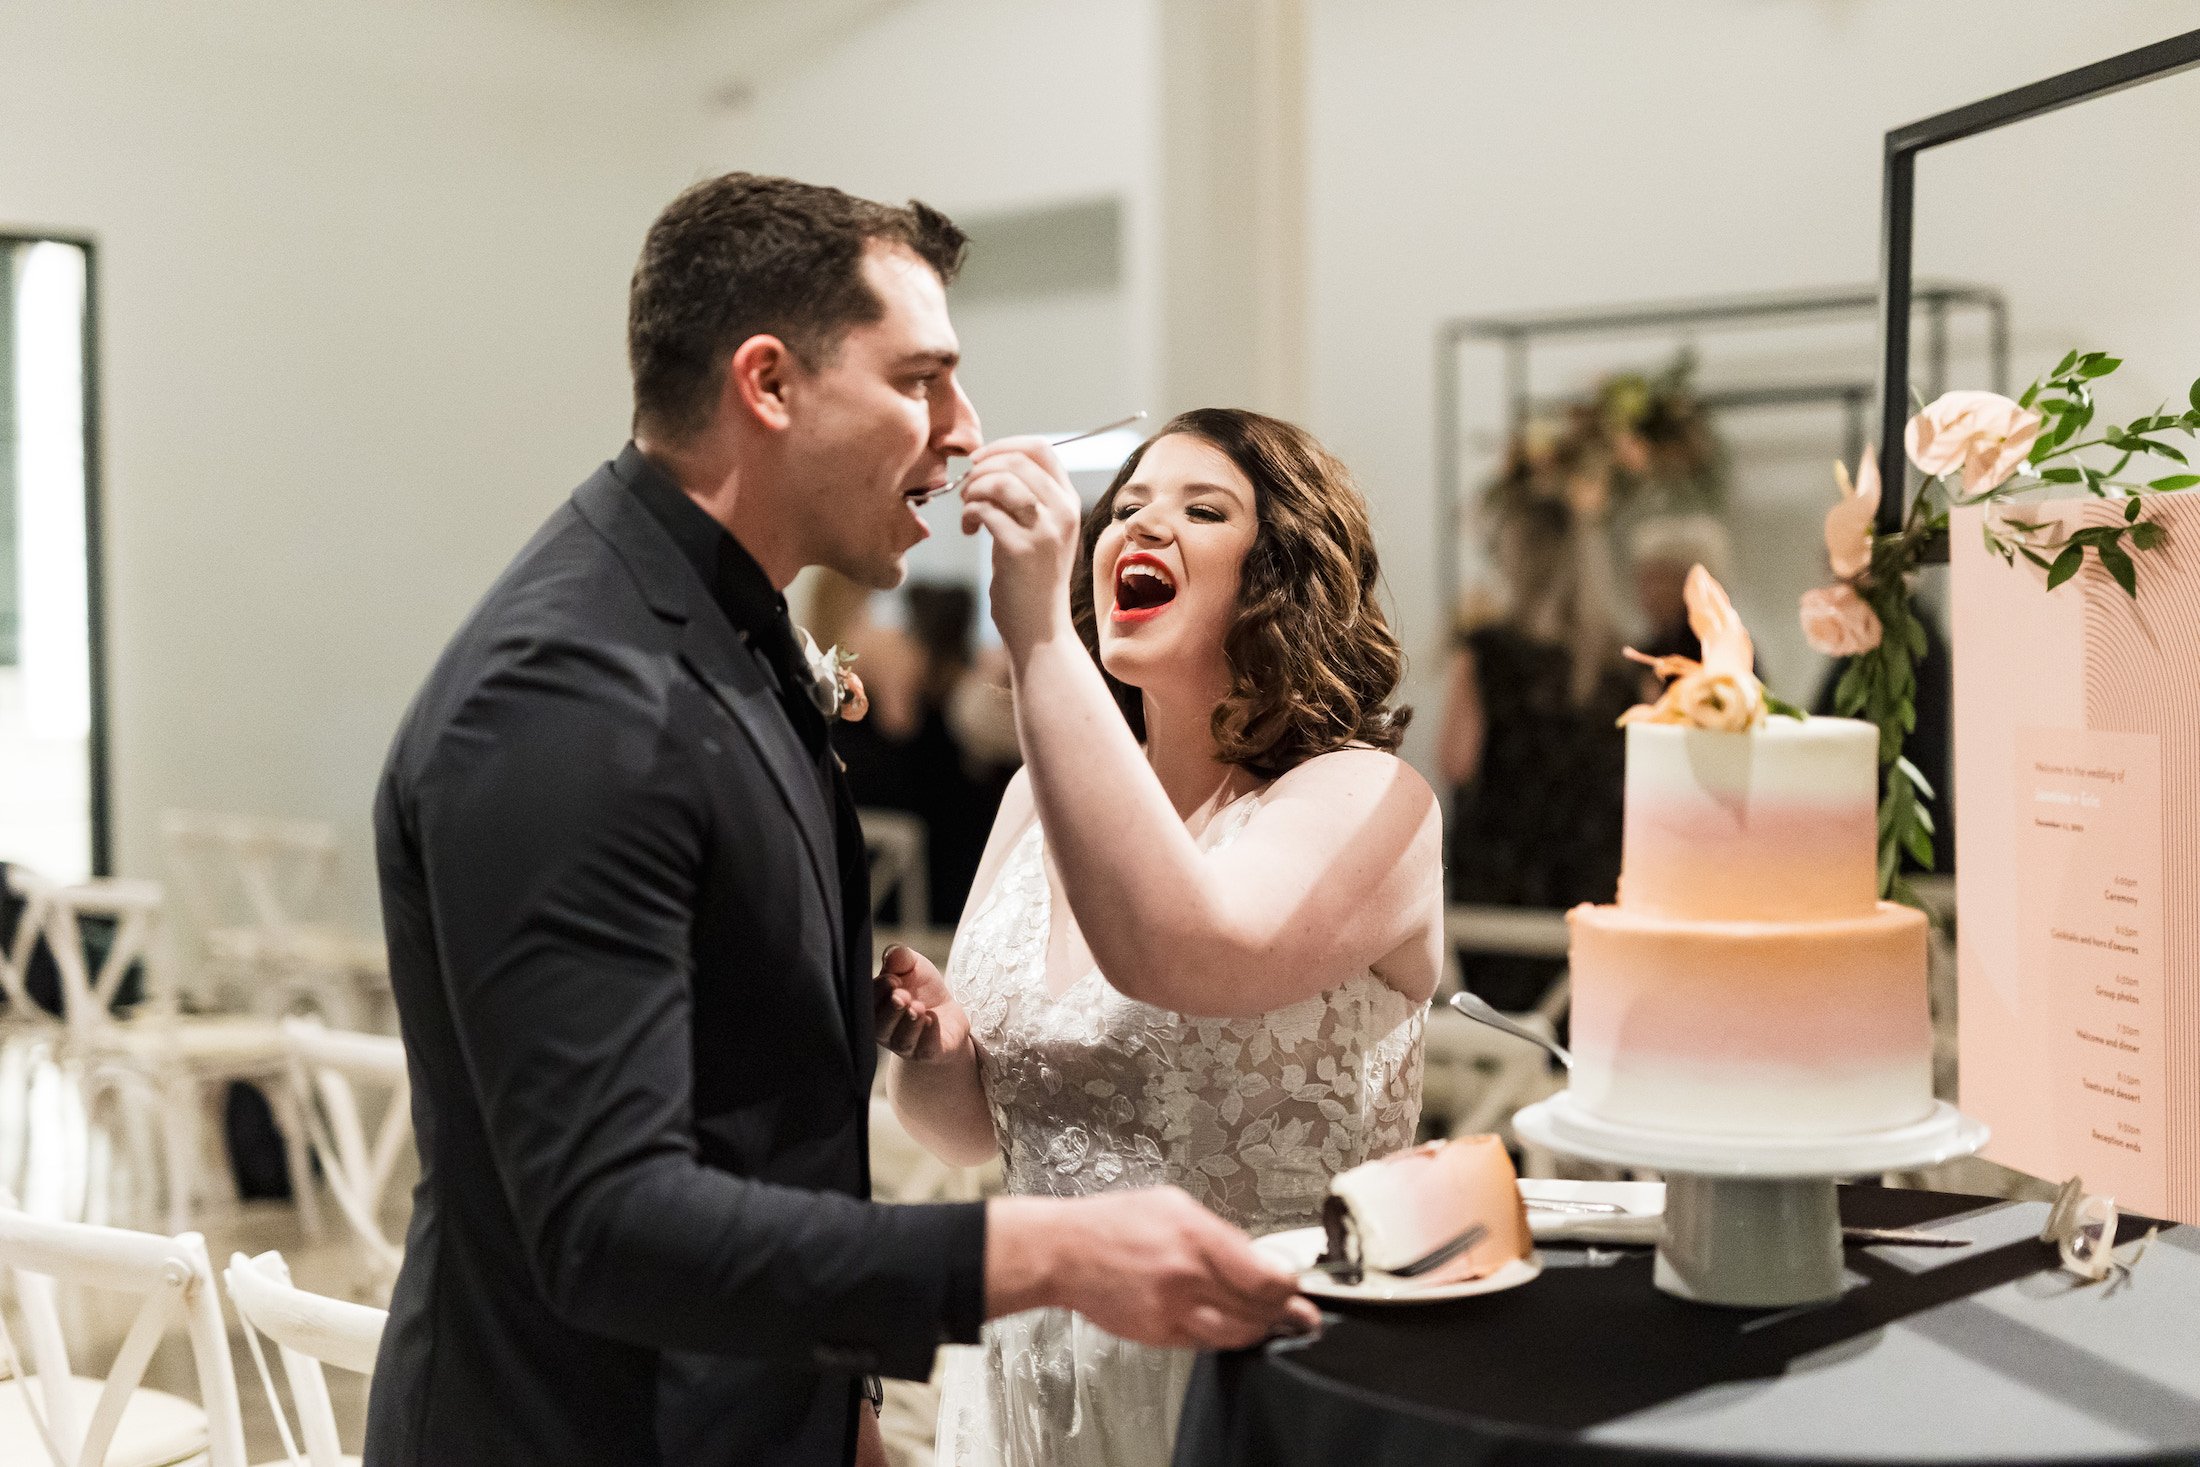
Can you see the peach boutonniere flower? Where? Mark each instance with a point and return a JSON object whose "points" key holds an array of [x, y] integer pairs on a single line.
{"points": [[835, 690]]}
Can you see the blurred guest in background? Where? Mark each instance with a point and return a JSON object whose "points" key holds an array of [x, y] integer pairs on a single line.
{"points": [[939, 742], [1664, 549], [1530, 742]]}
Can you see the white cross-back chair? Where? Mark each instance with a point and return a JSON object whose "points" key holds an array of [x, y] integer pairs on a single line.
{"points": [[26, 1029], [253, 894], [52, 912], [173, 1064], [328, 1069], [309, 1330], [49, 1414], [28, 887], [57, 1130]]}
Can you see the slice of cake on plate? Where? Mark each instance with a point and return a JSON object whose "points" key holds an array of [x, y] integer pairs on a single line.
{"points": [[1386, 1214]]}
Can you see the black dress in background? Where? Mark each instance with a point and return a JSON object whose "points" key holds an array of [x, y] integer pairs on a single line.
{"points": [[926, 775], [1539, 825]]}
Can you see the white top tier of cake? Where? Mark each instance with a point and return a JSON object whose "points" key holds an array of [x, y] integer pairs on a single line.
{"points": [[1779, 824]]}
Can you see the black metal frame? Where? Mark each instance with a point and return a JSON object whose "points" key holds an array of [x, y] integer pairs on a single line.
{"points": [[95, 582], [1898, 221], [1516, 335]]}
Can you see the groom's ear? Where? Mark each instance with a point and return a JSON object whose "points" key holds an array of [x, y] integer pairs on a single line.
{"points": [[757, 378]]}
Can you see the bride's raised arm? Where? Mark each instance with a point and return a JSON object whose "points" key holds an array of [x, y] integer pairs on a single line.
{"points": [[1338, 872]]}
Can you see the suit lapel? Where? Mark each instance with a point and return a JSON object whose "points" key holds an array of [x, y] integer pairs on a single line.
{"points": [[739, 682], [746, 689]]}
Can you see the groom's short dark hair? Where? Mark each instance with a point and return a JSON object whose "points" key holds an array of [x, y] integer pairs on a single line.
{"points": [[745, 255]]}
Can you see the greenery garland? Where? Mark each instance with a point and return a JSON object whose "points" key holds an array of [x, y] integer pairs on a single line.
{"points": [[1880, 684]]}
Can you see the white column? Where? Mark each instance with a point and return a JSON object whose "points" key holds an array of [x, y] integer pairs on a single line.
{"points": [[1233, 328]]}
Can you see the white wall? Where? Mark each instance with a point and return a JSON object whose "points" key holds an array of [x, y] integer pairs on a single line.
{"points": [[1477, 156], [987, 108], [363, 277], [364, 265]]}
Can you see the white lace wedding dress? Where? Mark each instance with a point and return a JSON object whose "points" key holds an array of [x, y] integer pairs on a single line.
{"points": [[1092, 1091]]}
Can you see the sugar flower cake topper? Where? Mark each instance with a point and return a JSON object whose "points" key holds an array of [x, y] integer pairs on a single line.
{"points": [[1720, 693]]}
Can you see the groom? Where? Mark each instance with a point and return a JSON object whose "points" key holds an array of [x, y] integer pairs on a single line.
{"points": [[625, 896]]}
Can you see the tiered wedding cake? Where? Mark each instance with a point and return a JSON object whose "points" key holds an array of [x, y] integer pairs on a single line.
{"points": [[1749, 982]]}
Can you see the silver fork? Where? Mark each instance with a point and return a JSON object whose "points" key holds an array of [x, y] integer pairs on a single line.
{"points": [[954, 485], [1348, 1271]]}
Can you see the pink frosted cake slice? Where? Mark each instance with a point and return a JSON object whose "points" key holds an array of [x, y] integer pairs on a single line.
{"points": [[1385, 1214]]}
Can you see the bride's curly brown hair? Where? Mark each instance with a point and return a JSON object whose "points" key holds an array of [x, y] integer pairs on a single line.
{"points": [[1313, 661]]}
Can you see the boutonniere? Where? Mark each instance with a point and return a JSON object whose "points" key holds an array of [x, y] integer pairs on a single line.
{"points": [[834, 687]]}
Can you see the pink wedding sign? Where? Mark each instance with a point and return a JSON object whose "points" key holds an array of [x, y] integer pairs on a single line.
{"points": [[2077, 804]]}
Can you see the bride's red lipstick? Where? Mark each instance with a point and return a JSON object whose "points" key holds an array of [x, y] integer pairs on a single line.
{"points": [[1147, 595]]}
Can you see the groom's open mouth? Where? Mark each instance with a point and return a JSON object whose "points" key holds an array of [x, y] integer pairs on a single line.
{"points": [[1143, 587]]}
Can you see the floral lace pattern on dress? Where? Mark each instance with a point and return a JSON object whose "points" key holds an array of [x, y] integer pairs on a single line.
{"points": [[1092, 1091]]}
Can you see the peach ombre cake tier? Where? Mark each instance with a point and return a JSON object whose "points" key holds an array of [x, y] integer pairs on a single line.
{"points": [[1776, 824], [1749, 982]]}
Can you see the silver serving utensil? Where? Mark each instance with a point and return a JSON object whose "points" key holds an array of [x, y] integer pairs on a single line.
{"points": [[954, 485], [1901, 1237], [1479, 1010], [1574, 1204]]}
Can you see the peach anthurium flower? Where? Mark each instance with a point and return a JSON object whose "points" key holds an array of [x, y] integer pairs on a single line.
{"points": [[1721, 692], [1726, 644], [1849, 524], [1983, 434], [1838, 622]]}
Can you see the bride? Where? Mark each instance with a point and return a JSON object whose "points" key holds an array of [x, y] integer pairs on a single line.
{"points": [[1202, 943]]}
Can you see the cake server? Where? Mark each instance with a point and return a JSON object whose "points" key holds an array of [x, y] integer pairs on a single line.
{"points": [[1479, 1010], [954, 485]]}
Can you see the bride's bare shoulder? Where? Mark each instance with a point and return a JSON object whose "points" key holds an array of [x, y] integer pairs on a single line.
{"points": [[1360, 773]]}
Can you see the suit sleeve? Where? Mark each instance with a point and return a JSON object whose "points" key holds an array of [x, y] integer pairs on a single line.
{"points": [[560, 841]]}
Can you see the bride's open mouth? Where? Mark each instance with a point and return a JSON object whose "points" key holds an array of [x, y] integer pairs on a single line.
{"points": [[1143, 587]]}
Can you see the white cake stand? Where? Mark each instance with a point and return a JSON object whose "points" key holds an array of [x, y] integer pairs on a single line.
{"points": [[1750, 1221]]}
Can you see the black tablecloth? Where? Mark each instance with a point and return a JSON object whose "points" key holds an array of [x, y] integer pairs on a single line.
{"points": [[1931, 1355]]}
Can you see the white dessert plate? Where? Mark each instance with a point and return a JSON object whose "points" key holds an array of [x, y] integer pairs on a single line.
{"points": [[1562, 1126], [1641, 1215], [1297, 1250]]}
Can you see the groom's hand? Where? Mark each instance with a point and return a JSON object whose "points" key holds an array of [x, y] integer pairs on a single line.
{"points": [[914, 1012], [1150, 1265]]}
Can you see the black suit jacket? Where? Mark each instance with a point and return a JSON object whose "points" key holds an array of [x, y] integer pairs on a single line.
{"points": [[634, 997]]}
